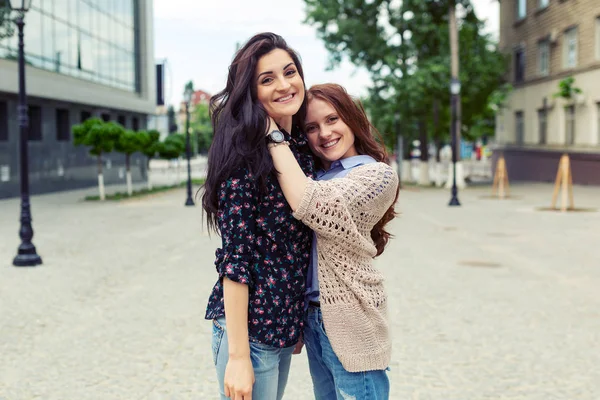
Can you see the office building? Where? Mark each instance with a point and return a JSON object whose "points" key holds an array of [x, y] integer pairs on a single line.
{"points": [[549, 41], [84, 58]]}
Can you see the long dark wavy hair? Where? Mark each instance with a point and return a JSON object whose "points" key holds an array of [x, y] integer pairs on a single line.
{"points": [[367, 141], [240, 122]]}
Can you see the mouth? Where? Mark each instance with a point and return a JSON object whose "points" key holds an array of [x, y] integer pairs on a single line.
{"points": [[286, 99], [330, 144]]}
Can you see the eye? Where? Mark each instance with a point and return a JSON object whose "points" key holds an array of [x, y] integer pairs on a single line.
{"points": [[311, 129], [290, 72], [332, 119], [266, 81]]}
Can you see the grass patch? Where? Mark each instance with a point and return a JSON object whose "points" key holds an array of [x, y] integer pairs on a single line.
{"points": [[144, 192]]}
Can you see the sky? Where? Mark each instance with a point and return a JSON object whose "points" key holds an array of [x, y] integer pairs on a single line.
{"points": [[198, 39]]}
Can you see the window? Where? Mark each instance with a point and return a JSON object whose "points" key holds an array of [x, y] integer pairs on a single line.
{"points": [[63, 127], [543, 3], [519, 65], [544, 57], [519, 128], [105, 117], [521, 9], [570, 125], [35, 123], [122, 120], [3, 121], [85, 115], [84, 39], [543, 125], [135, 123], [570, 46], [598, 38]]}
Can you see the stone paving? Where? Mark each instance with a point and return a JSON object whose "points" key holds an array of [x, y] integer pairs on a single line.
{"points": [[493, 300]]}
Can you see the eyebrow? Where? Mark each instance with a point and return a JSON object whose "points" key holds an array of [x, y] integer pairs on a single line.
{"points": [[270, 72]]}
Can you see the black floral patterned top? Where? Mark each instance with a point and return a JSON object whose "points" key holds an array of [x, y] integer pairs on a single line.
{"points": [[265, 247]]}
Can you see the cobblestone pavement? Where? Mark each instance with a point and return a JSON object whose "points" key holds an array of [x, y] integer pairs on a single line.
{"points": [[493, 300]]}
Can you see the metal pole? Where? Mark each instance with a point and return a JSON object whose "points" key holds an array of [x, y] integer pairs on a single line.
{"points": [[399, 148], [27, 255], [189, 201], [454, 200]]}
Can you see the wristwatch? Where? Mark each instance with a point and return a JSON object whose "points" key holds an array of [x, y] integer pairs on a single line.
{"points": [[275, 136]]}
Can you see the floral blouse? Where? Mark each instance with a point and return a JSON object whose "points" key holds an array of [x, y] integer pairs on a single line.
{"points": [[265, 247]]}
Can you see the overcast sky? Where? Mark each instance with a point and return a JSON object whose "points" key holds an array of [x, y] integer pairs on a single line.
{"points": [[198, 39]]}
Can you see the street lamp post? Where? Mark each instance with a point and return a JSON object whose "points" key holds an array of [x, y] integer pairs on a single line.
{"points": [[188, 100], [399, 146], [454, 92], [26, 255]]}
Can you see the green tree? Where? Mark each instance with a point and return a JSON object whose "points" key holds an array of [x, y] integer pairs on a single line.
{"points": [[202, 127], [129, 142], [100, 137], [405, 47], [150, 142], [172, 147]]}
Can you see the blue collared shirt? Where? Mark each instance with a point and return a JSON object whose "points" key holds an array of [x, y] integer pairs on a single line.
{"points": [[338, 169]]}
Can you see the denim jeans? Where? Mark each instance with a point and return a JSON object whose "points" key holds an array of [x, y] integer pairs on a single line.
{"points": [[330, 380], [271, 364]]}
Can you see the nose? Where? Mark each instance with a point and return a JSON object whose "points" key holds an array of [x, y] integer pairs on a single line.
{"points": [[325, 132], [283, 84]]}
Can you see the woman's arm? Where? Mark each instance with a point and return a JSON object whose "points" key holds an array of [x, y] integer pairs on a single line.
{"points": [[237, 198], [239, 374], [291, 178]]}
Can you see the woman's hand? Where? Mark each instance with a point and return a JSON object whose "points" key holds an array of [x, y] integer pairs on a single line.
{"points": [[299, 345], [239, 378]]}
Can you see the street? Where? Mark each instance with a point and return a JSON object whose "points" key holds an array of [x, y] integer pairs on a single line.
{"points": [[492, 300]]}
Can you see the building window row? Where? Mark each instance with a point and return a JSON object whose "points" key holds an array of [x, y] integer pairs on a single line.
{"points": [[570, 121], [544, 48], [91, 40], [62, 122]]}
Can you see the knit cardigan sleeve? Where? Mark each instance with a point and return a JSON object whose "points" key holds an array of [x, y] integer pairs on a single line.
{"points": [[348, 208]]}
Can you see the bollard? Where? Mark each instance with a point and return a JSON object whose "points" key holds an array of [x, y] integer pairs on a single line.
{"points": [[500, 184], [564, 184]]}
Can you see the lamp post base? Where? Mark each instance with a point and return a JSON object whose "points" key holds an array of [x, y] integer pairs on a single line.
{"points": [[189, 202], [27, 257], [454, 202]]}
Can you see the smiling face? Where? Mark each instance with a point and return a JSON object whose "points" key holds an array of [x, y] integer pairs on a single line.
{"points": [[280, 88], [328, 136]]}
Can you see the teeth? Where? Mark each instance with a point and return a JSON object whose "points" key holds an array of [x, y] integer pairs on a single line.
{"points": [[330, 144], [286, 98]]}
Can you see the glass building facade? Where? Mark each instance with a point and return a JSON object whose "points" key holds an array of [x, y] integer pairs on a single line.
{"points": [[93, 40]]}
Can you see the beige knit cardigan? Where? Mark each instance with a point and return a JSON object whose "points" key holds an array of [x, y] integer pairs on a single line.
{"points": [[342, 212]]}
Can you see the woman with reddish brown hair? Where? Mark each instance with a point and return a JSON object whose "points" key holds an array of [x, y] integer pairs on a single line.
{"points": [[346, 329]]}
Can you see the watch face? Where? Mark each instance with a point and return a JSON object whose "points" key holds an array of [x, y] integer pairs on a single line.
{"points": [[277, 136]]}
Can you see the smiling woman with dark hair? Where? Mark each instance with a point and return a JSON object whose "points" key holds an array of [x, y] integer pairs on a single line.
{"points": [[257, 304]]}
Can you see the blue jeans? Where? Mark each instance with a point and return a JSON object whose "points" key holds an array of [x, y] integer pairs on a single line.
{"points": [[271, 364], [330, 380]]}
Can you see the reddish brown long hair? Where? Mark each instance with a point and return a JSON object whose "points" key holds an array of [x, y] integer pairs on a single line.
{"points": [[367, 141]]}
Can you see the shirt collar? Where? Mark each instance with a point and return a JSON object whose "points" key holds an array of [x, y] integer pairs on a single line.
{"points": [[347, 163]]}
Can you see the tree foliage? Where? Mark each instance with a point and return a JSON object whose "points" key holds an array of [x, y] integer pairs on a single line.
{"points": [[202, 127], [129, 141], [172, 147], [567, 88], [405, 47], [100, 136], [150, 140]]}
